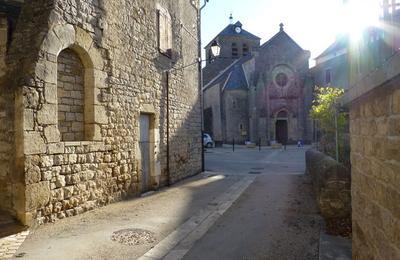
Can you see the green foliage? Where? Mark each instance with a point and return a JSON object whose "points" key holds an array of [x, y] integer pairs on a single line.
{"points": [[325, 108]]}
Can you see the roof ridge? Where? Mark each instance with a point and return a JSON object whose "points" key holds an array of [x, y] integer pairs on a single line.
{"points": [[276, 35], [244, 33]]}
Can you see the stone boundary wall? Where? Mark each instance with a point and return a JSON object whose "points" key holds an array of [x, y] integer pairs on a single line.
{"points": [[331, 182]]}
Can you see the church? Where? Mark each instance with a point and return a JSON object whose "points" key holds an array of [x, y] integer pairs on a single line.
{"points": [[257, 92]]}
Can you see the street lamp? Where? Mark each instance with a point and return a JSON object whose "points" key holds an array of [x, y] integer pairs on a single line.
{"points": [[215, 48]]}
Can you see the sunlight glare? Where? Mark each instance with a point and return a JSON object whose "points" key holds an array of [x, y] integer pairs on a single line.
{"points": [[359, 15]]}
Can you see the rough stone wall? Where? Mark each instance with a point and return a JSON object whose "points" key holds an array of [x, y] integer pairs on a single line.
{"points": [[3, 43], [6, 150], [332, 185], [70, 96], [375, 159], [212, 100], [124, 76], [6, 126], [236, 114]]}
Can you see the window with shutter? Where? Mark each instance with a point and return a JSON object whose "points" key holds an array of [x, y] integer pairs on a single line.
{"points": [[164, 31]]}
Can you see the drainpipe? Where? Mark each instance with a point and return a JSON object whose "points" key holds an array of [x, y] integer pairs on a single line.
{"points": [[168, 167], [201, 84]]}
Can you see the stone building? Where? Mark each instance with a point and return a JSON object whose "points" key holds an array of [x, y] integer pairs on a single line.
{"points": [[331, 68], [374, 99], [236, 42], [84, 102], [263, 93]]}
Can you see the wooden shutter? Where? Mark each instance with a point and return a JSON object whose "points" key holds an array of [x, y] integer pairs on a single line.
{"points": [[164, 31]]}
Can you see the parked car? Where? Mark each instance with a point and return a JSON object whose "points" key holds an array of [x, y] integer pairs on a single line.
{"points": [[208, 141]]}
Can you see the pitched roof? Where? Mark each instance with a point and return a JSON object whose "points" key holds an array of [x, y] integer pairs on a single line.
{"points": [[236, 79], [230, 30], [341, 43], [233, 76], [281, 33]]}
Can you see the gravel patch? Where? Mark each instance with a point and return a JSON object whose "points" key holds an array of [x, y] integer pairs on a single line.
{"points": [[133, 236]]}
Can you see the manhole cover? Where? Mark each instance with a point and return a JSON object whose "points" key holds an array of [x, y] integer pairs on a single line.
{"points": [[254, 172], [133, 236]]}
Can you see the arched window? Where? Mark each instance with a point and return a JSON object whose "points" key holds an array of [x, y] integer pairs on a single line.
{"points": [[71, 96], [235, 51], [245, 49]]}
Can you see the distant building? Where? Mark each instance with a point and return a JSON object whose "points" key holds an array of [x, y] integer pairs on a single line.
{"points": [[332, 66], [236, 43], [257, 92]]}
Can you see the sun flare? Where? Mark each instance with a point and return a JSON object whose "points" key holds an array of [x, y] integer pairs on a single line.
{"points": [[359, 15]]}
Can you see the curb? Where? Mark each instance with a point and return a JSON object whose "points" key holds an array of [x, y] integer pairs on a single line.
{"points": [[179, 242]]}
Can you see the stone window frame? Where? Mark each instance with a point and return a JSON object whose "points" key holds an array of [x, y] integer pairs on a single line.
{"points": [[59, 38], [36, 124], [86, 63], [288, 71]]}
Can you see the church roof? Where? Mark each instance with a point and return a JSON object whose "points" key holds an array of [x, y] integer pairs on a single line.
{"points": [[281, 34], [230, 31], [233, 76], [340, 44], [236, 79]]}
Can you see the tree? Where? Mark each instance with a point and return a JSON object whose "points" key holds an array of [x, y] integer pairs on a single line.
{"points": [[332, 122]]}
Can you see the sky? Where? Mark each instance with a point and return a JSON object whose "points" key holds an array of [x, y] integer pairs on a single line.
{"points": [[313, 24]]}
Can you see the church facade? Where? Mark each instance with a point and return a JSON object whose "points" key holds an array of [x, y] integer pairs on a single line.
{"points": [[258, 93]]}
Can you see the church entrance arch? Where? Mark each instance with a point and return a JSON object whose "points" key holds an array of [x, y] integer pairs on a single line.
{"points": [[281, 131], [281, 127]]}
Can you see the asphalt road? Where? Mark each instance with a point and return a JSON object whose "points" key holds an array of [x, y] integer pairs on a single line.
{"points": [[252, 161], [275, 218]]}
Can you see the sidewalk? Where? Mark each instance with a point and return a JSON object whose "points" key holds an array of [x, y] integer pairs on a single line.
{"points": [[165, 222]]}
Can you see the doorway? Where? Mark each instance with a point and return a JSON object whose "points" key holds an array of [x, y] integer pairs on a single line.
{"points": [[146, 151], [282, 131]]}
